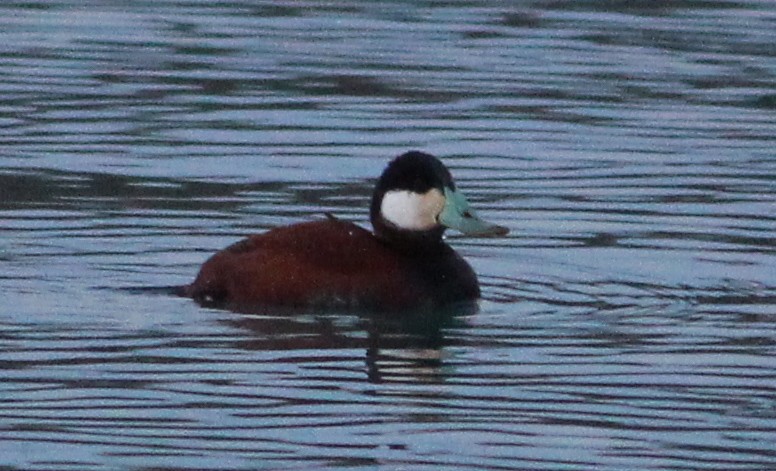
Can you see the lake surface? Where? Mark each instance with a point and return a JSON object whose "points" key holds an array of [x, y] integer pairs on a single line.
{"points": [[628, 320]]}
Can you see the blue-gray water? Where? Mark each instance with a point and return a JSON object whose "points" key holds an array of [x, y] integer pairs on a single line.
{"points": [[628, 320]]}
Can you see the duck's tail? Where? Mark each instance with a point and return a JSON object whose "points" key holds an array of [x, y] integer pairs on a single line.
{"points": [[182, 291]]}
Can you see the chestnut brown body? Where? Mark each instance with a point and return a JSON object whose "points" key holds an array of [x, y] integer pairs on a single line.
{"points": [[332, 263]]}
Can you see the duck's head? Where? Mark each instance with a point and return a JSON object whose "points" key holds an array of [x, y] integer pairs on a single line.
{"points": [[415, 200]]}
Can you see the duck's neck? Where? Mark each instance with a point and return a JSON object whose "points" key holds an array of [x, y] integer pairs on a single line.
{"points": [[411, 242]]}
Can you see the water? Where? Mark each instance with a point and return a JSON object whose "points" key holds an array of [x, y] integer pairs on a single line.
{"points": [[627, 321]]}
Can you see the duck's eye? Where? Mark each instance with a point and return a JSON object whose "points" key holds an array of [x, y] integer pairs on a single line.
{"points": [[467, 214]]}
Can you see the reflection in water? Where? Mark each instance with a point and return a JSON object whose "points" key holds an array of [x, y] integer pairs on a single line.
{"points": [[395, 345], [627, 322]]}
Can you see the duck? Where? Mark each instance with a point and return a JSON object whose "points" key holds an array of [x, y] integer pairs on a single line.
{"points": [[404, 263]]}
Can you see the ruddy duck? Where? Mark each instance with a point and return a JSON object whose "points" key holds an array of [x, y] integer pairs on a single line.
{"points": [[403, 264]]}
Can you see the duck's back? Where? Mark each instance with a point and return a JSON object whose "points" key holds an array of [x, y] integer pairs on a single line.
{"points": [[331, 263]]}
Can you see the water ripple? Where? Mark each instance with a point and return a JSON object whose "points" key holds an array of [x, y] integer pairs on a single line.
{"points": [[627, 321]]}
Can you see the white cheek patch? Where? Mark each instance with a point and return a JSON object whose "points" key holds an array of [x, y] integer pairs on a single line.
{"points": [[412, 211]]}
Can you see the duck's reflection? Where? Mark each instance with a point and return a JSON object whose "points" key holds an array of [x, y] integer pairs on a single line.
{"points": [[397, 347]]}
